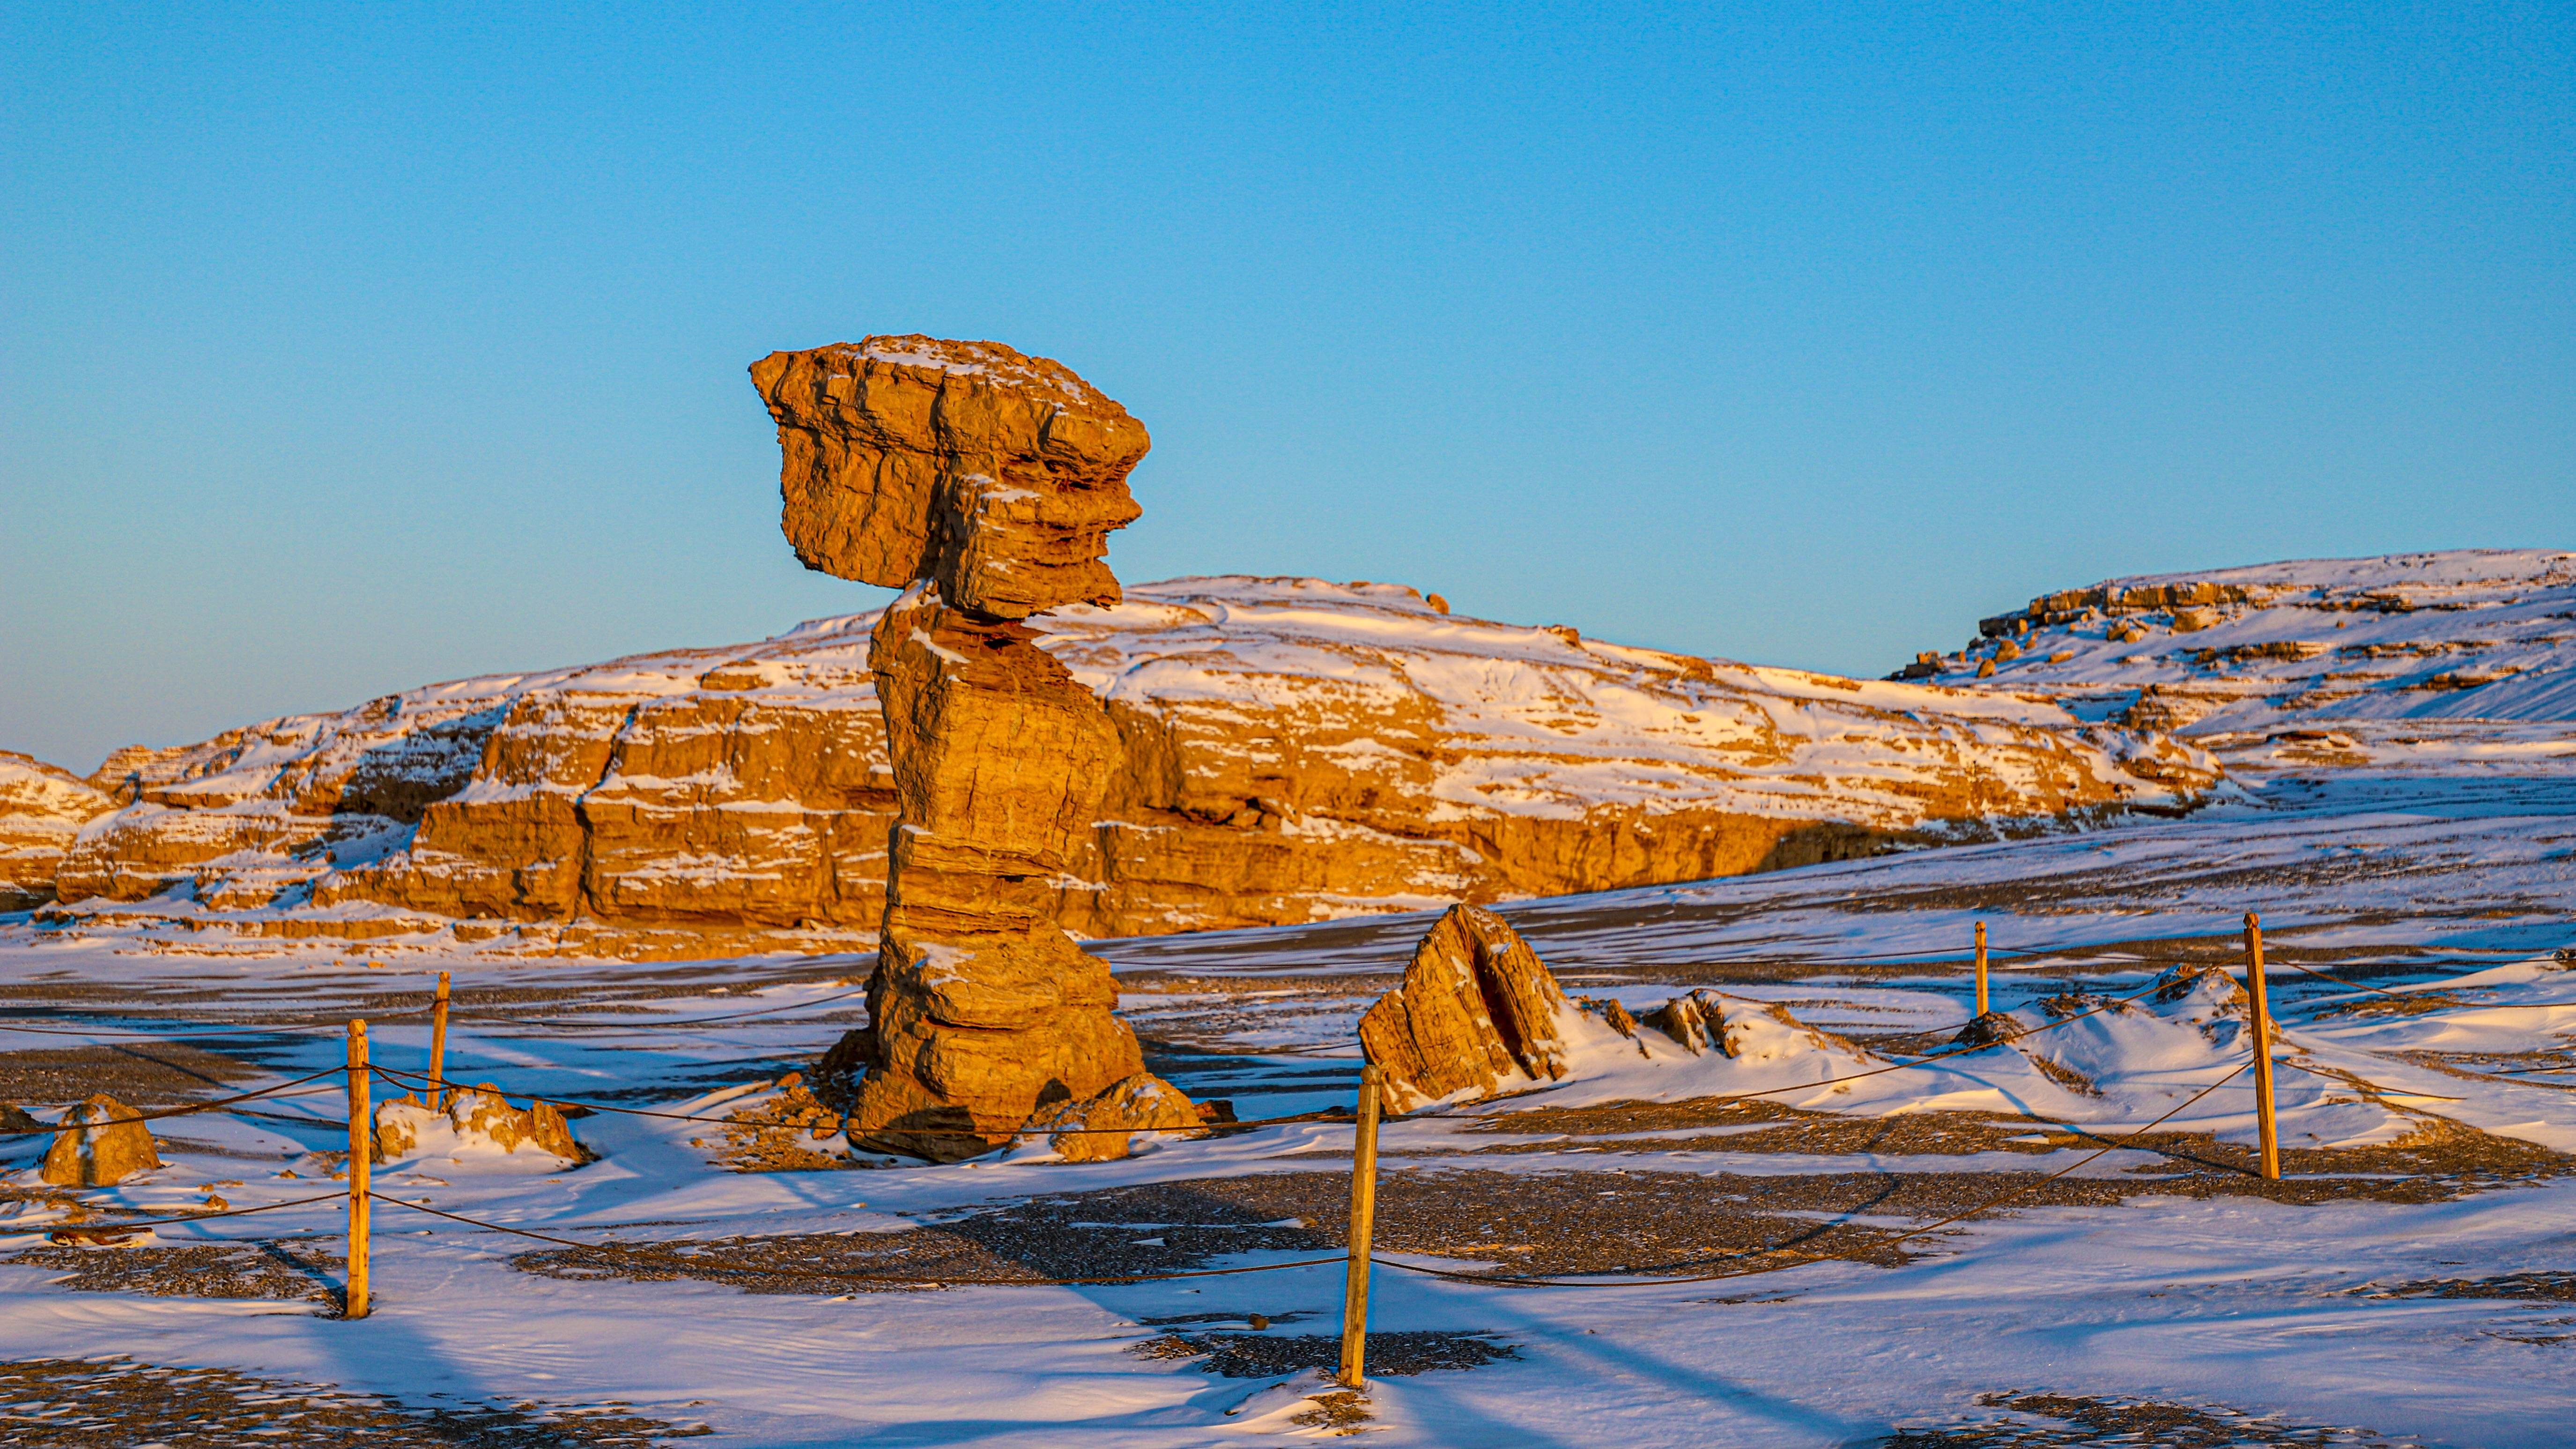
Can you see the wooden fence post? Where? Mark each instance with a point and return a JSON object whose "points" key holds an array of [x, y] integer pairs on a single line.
{"points": [[2264, 1125], [1981, 968], [438, 1046], [1363, 1228], [361, 1160]]}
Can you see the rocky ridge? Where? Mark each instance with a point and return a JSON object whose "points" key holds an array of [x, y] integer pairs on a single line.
{"points": [[1290, 750], [2468, 635]]}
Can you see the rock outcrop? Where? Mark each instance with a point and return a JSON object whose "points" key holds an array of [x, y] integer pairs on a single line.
{"points": [[1477, 1014], [1101, 1128], [985, 484], [475, 1121], [2468, 636], [42, 810], [99, 1145], [1286, 750]]}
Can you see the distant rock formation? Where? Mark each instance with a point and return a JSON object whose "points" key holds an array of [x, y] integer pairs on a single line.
{"points": [[42, 810], [985, 484], [1287, 750], [2471, 635]]}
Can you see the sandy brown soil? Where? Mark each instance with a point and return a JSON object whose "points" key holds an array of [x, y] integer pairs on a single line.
{"points": [[139, 1074], [1590, 1221]]}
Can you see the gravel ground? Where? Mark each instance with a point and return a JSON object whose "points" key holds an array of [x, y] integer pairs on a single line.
{"points": [[1261, 1355], [2065, 1421], [89, 1404], [264, 1269]]}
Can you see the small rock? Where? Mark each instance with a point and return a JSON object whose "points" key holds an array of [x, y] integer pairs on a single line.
{"points": [[87, 1155], [1609, 1010], [1141, 1103], [1695, 1020], [1987, 1030], [1986, 669]]}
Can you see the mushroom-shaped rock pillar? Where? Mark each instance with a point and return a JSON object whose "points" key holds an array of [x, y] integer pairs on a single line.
{"points": [[984, 484]]}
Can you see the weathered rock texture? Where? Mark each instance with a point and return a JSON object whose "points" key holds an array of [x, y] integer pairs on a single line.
{"points": [[100, 1146], [1101, 1128], [1286, 750], [2461, 638], [993, 476], [42, 810], [985, 484], [474, 1119], [1478, 1013]]}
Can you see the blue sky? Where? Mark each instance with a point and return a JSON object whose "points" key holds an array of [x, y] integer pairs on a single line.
{"points": [[353, 347]]}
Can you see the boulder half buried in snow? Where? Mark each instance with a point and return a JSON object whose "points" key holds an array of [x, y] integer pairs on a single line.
{"points": [[1478, 1013], [478, 1123], [99, 1145]]}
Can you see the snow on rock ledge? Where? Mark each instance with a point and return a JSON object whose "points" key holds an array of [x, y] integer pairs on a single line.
{"points": [[1289, 750], [479, 1128]]}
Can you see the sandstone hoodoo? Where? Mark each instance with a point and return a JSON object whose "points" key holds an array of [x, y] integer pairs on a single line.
{"points": [[984, 484]]}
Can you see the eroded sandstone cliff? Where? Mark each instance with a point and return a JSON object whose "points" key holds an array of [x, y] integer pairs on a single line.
{"points": [[1289, 750]]}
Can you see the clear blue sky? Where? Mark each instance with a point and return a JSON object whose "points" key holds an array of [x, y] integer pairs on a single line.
{"points": [[353, 347]]}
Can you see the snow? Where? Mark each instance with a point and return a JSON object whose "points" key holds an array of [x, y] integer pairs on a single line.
{"points": [[2429, 857], [2474, 634], [2456, 865]]}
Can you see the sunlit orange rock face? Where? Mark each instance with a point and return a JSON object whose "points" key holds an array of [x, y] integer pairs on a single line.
{"points": [[985, 484], [992, 476], [42, 810]]}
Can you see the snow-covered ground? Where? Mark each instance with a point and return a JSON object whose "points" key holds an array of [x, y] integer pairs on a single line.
{"points": [[2438, 868]]}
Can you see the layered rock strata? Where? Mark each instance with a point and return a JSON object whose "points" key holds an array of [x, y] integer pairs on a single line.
{"points": [[1477, 1014], [1287, 750], [985, 484], [42, 810], [2377, 648]]}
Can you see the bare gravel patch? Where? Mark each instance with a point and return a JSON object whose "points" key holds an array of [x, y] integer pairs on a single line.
{"points": [[85, 1404], [1267, 1355], [2064, 1421], [272, 1270]]}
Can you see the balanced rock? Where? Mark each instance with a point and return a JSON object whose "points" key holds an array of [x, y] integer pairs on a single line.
{"points": [[99, 1145], [1477, 1014], [995, 476], [1098, 1128], [985, 484]]}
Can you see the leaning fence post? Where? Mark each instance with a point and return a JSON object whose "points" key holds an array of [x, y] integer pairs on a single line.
{"points": [[1363, 1228], [438, 1046], [1981, 968], [2268, 1130], [361, 1159]]}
